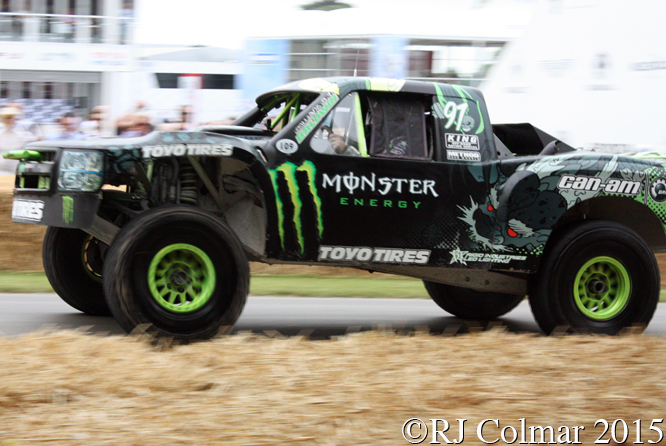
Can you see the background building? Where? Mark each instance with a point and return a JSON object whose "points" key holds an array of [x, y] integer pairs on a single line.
{"points": [[591, 72], [456, 42], [60, 56]]}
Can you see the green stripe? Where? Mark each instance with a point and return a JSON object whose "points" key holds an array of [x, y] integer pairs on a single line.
{"points": [[279, 205]]}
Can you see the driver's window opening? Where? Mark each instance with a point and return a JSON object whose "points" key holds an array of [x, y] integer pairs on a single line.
{"points": [[341, 132], [374, 124]]}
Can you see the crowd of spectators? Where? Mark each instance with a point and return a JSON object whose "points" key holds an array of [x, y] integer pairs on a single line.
{"points": [[16, 130]]}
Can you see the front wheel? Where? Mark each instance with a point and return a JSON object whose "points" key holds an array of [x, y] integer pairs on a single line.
{"points": [[597, 277], [470, 304], [73, 264], [179, 269]]}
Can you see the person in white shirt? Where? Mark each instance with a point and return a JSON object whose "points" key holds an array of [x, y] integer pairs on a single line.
{"points": [[11, 138]]}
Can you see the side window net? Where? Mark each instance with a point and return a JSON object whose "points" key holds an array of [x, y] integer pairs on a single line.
{"points": [[397, 127]]}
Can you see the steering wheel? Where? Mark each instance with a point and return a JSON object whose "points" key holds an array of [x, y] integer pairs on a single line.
{"points": [[327, 129]]}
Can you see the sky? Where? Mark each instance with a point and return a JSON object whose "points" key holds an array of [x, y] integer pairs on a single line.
{"points": [[227, 24]]}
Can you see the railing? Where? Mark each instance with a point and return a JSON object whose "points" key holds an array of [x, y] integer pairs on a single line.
{"points": [[28, 27]]}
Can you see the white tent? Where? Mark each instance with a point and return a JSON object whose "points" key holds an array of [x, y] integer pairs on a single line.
{"points": [[591, 72]]}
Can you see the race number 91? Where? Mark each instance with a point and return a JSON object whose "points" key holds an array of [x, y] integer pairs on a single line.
{"points": [[619, 432]]}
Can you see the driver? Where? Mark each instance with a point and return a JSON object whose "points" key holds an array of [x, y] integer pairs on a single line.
{"points": [[340, 146]]}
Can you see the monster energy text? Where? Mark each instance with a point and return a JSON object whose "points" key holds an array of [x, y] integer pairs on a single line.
{"points": [[352, 182]]}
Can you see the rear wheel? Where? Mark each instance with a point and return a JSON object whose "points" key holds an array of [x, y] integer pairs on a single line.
{"points": [[73, 262], [470, 304], [598, 277], [180, 269]]}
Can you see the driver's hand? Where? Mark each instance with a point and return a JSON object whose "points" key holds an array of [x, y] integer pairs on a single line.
{"points": [[337, 142]]}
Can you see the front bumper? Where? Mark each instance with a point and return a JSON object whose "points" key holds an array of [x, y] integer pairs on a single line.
{"points": [[65, 210]]}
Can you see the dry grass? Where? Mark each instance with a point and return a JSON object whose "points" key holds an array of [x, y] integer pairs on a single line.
{"points": [[73, 389]]}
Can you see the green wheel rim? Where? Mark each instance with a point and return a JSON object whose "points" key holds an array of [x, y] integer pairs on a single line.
{"points": [[602, 288], [181, 278]]}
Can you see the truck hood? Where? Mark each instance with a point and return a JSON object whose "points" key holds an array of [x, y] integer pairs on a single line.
{"points": [[244, 138]]}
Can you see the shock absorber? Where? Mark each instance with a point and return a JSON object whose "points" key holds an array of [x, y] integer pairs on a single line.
{"points": [[188, 183]]}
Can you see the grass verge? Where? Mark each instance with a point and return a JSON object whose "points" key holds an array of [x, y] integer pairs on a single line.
{"points": [[273, 285], [264, 285]]}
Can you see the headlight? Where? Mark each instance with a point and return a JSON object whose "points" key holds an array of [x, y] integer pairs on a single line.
{"points": [[81, 171]]}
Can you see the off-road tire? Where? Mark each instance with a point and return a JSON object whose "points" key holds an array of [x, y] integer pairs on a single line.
{"points": [[597, 277], [471, 304], [73, 265], [179, 269]]}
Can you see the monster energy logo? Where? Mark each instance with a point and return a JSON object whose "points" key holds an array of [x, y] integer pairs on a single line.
{"points": [[67, 209], [288, 171]]}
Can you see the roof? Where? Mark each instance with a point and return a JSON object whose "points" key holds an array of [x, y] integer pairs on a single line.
{"points": [[344, 85]]}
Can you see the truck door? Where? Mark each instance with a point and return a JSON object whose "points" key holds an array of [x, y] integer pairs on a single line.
{"points": [[381, 188]]}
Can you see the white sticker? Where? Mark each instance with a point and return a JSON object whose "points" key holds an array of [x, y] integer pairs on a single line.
{"points": [[458, 155], [187, 149], [28, 210], [459, 141], [286, 146], [373, 255], [459, 256]]}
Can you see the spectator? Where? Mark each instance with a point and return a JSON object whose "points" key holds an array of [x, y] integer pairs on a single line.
{"points": [[69, 131], [11, 138], [141, 126], [125, 122], [26, 125], [93, 126], [184, 122]]}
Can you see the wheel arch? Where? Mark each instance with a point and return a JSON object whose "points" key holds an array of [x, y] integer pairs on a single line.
{"points": [[248, 217], [237, 195], [626, 211]]}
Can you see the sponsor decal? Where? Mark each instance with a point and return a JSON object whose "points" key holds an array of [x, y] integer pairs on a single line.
{"points": [[658, 190], [352, 182], [453, 113], [458, 155], [286, 146], [462, 257], [594, 184], [67, 209], [379, 203], [159, 151], [459, 141], [308, 124], [28, 210], [456, 112], [288, 172], [374, 255]]}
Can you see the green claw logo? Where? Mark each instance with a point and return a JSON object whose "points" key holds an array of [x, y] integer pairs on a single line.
{"points": [[288, 171], [67, 209]]}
